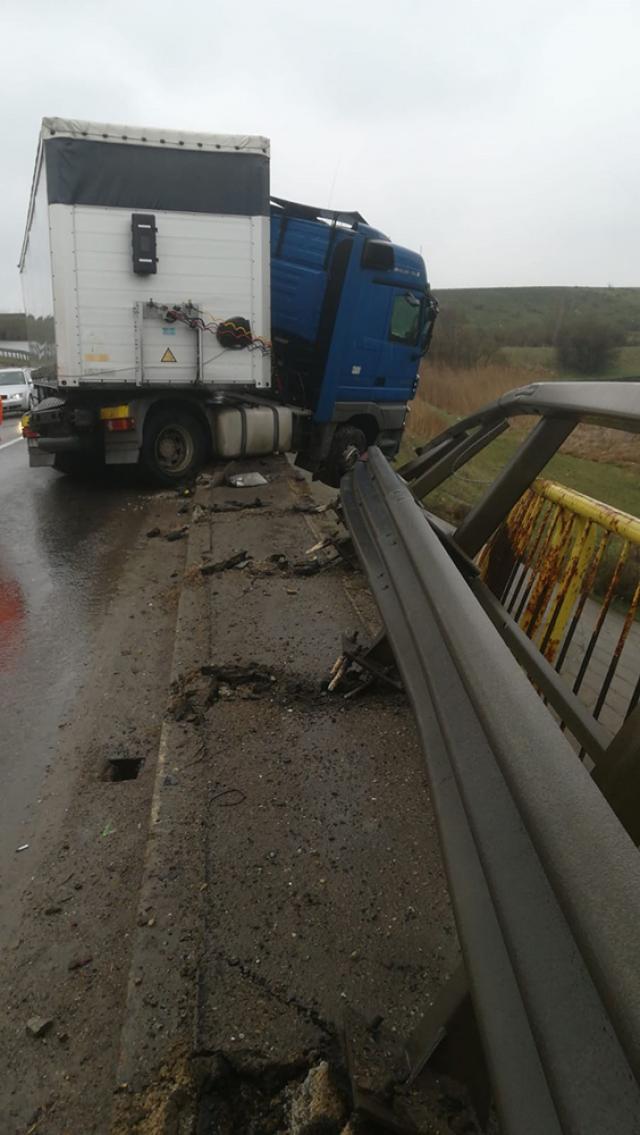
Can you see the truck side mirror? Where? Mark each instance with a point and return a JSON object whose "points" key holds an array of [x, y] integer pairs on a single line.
{"points": [[379, 255]]}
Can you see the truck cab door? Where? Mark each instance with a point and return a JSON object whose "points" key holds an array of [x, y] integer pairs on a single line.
{"points": [[365, 363], [386, 345]]}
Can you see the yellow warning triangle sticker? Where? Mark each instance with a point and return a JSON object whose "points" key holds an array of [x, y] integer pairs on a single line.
{"points": [[168, 356]]}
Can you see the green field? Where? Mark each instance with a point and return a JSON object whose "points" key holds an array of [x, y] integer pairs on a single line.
{"points": [[616, 485], [532, 314]]}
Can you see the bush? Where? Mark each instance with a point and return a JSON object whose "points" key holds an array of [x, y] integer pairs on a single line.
{"points": [[587, 346]]}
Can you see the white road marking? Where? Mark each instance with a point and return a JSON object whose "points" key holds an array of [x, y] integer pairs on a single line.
{"points": [[13, 442]]}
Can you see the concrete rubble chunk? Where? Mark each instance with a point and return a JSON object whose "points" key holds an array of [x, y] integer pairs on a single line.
{"points": [[38, 1026], [316, 1099]]}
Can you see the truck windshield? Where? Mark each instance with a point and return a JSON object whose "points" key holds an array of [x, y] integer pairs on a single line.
{"points": [[12, 378], [405, 320]]}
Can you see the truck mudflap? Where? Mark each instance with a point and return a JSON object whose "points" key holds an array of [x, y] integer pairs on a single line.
{"points": [[70, 444], [37, 457]]}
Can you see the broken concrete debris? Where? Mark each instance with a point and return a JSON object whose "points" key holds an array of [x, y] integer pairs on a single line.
{"points": [[240, 1093], [309, 507], [236, 506], [246, 480], [39, 1026], [308, 567], [237, 560], [79, 963], [316, 1101]]}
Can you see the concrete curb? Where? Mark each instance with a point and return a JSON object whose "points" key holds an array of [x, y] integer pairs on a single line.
{"points": [[158, 1021]]}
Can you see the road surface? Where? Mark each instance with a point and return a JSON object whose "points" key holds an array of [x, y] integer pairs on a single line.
{"points": [[87, 624], [59, 550]]}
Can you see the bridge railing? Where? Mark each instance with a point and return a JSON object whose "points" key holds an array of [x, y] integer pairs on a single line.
{"points": [[566, 568], [14, 356]]}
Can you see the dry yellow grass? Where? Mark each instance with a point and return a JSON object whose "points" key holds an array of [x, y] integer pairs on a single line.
{"points": [[424, 421], [462, 392], [595, 443]]}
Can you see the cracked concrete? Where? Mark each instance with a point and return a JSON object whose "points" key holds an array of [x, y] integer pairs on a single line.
{"points": [[321, 886]]}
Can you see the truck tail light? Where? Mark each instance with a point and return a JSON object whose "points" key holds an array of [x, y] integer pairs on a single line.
{"points": [[27, 428], [117, 418]]}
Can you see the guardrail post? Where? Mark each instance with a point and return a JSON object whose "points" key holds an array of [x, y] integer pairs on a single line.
{"points": [[530, 459], [426, 473], [448, 1038], [617, 774]]}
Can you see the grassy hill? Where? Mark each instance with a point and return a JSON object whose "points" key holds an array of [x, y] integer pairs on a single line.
{"points": [[530, 316]]}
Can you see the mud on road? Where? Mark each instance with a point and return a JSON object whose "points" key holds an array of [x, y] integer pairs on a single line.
{"points": [[199, 932]]}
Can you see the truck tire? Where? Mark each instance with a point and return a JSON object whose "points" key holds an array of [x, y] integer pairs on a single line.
{"points": [[173, 447], [345, 440]]}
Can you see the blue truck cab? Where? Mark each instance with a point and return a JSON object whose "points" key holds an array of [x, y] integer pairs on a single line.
{"points": [[351, 317]]}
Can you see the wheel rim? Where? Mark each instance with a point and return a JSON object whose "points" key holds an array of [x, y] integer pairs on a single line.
{"points": [[174, 449]]}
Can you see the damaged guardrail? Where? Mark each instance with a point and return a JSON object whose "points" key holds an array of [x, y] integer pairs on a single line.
{"points": [[544, 880], [560, 407]]}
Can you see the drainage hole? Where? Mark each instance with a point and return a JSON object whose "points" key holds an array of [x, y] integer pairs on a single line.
{"points": [[123, 768]]}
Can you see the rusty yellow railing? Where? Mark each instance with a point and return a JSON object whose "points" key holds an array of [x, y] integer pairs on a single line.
{"points": [[567, 569]]}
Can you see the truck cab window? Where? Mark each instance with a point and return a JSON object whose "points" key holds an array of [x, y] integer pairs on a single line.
{"points": [[405, 320]]}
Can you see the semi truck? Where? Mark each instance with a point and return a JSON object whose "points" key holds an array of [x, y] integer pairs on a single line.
{"points": [[176, 311]]}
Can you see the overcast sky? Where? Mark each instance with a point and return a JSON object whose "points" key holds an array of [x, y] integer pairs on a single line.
{"points": [[498, 136]]}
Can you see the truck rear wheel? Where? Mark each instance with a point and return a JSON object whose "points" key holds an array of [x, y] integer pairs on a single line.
{"points": [[348, 442], [173, 447]]}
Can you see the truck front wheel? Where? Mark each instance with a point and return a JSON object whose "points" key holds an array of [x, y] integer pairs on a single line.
{"points": [[348, 442], [173, 447]]}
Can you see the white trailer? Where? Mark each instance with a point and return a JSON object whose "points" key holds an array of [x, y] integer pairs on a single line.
{"points": [[145, 271]]}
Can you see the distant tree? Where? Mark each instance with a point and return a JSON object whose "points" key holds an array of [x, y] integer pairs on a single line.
{"points": [[458, 343], [13, 325], [587, 345]]}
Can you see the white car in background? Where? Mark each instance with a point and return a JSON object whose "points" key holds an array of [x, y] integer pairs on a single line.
{"points": [[16, 390]]}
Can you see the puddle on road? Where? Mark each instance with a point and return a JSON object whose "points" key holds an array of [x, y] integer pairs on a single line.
{"points": [[12, 620]]}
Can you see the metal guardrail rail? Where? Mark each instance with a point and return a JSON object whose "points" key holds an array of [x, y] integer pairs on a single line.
{"points": [[544, 879]]}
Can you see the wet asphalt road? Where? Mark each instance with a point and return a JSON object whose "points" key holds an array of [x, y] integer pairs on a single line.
{"points": [[60, 545]]}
